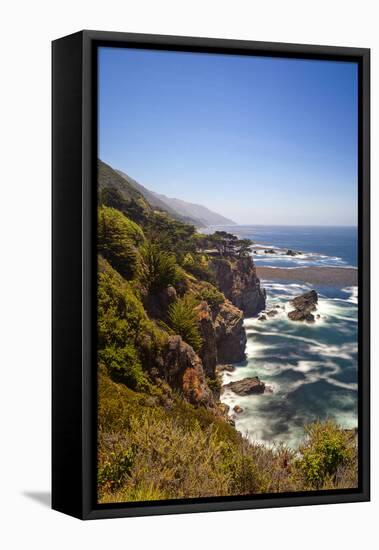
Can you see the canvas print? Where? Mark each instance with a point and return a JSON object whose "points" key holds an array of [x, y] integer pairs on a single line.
{"points": [[227, 275]]}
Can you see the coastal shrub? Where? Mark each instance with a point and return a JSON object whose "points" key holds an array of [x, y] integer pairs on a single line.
{"points": [[115, 466], [182, 318], [128, 341], [170, 234], [327, 451], [121, 316], [212, 296], [159, 268], [124, 366], [152, 449], [169, 460], [200, 271], [118, 241], [214, 384]]}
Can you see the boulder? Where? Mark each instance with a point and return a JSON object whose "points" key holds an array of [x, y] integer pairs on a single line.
{"points": [[292, 252], [237, 409], [247, 386], [304, 305], [272, 313], [262, 317]]}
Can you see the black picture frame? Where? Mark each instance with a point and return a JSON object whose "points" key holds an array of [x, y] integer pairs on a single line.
{"points": [[74, 133]]}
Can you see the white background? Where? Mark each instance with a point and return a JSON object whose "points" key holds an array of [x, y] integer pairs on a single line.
{"points": [[26, 31]]}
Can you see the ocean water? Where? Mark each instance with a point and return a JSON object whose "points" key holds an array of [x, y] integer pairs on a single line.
{"points": [[311, 368], [319, 245]]}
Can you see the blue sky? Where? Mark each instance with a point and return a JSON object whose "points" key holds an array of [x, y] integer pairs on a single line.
{"points": [[260, 140]]}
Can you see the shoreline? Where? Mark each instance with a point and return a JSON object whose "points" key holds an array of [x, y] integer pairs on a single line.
{"points": [[330, 276]]}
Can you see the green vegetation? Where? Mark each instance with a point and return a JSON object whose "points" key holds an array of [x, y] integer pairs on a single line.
{"points": [[149, 450], [328, 457], [212, 296], [154, 441], [118, 241], [159, 268], [183, 320]]}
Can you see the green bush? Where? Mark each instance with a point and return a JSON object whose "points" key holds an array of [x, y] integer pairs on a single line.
{"points": [[327, 450], [201, 272], [128, 341], [212, 296], [118, 241], [124, 366], [115, 467], [159, 268], [183, 319]]}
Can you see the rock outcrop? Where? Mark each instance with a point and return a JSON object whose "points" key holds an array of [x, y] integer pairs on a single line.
{"points": [[304, 305], [183, 371], [292, 252], [247, 386], [230, 334], [157, 304], [208, 351], [239, 282]]}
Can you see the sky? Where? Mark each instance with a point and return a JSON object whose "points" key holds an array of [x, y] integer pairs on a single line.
{"points": [[259, 140]]}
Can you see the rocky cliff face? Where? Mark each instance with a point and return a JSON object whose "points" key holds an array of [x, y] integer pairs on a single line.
{"points": [[208, 351], [184, 372], [223, 334], [239, 282], [230, 334]]}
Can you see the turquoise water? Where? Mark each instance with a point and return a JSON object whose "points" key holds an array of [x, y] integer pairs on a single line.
{"points": [[311, 368]]}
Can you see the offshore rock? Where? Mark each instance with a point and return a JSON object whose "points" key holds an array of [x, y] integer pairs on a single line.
{"points": [[247, 386], [304, 305]]}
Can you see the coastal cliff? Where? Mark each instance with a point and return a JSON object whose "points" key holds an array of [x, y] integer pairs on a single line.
{"points": [[170, 308], [239, 282]]}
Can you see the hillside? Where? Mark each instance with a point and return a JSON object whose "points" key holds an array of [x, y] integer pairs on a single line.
{"points": [[196, 211], [170, 316], [156, 203], [110, 179], [188, 212]]}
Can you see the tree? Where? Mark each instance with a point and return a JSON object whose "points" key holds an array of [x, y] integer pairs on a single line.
{"points": [[243, 247]]}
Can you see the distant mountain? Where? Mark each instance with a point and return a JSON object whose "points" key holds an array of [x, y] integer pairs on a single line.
{"points": [[108, 178], [156, 202], [196, 211], [185, 211]]}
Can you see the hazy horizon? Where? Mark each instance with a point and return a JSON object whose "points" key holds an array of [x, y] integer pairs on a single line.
{"points": [[258, 140]]}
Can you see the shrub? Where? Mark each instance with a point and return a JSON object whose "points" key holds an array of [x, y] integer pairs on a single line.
{"points": [[128, 341], [212, 296], [114, 466], [159, 268], [118, 241], [124, 366], [149, 450], [326, 451], [200, 271], [183, 320]]}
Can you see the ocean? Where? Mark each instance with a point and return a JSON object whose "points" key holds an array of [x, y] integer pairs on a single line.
{"points": [[311, 368]]}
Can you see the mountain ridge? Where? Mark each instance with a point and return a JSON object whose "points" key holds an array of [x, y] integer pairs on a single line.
{"points": [[189, 212]]}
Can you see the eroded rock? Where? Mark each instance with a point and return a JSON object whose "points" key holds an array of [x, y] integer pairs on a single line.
{"points": [[247, 386], [304, 305]]}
